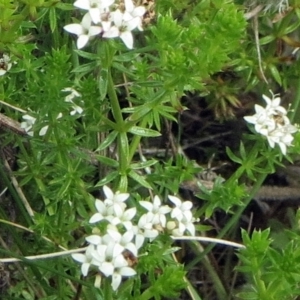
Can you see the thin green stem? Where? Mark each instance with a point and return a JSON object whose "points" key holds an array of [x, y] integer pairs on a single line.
{"points": [[114, 101], [296, 103], [107, 289], [136, 141]]}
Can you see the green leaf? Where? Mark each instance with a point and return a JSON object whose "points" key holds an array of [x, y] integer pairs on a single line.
{"points": [[275, 73], [107, 179], [103, 81], [144, 131], [109, 139], [267, 39], [232, 156], [143, 165], [87, 55], [86, 68], [52, 18], [140, 179], [107, 161], [123, 144]]}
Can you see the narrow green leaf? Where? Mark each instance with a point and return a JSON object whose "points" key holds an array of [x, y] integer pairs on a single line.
{"points": [[143, 165], [109, 139], [275, 73], [107, 179], [52, 18], [124, 144], [85, 68], [140, 112], [144, 131], [107, 161], [232, 156], [140, 179], [87, 55], [103, 81], [267, 39]]}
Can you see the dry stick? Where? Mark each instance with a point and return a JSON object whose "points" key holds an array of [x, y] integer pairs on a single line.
{"points": [[43, 256], [208, 240], [18, 189], [255, 24]]}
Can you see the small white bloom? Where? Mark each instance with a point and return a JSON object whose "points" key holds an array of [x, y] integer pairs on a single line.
{"points": [[123, 217], [28, 123], [5, 64], [86, 259], [94, 7], [273, 123], [84, 31], [145, 224], [124, 240], [43, 130], [72, 94], [181, 209], [120, 271], [76, 110], [114, 199], [124, 23], [157, 209], [104, 213]]}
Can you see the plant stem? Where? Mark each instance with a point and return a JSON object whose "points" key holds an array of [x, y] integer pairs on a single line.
{"points": [[296, 103], [107, 289]]}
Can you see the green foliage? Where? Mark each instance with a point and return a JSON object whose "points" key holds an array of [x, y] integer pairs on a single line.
{"points": [[273, 272], [128, 98]]}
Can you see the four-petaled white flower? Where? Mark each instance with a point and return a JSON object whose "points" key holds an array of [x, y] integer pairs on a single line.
{"points": [[84, 31], [273, 123], [104, 212], [159, 211], [114, 199], [181, 209], [86, 259]]}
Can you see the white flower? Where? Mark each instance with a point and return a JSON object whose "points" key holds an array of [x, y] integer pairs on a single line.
{"points": [[84, 31], [124, 240], [86, 259], [28, 123], [72, 94], [273, 105], [273, 123], [261, 120], [125, 22], [282, 136], [114, 199], [121, 270], [123, 217], [146, 225], [95, 7], [69, 98], [181, 209], [158, 210], [5, 64], [104, 213]]}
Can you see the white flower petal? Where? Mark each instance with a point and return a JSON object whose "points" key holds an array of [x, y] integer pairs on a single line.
{"points": [[116, 281]]}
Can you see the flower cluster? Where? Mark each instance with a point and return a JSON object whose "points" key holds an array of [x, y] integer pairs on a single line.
{"points": [[110, 18], [114, 253], [273, 123], [5, 64], [29, 121]]}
